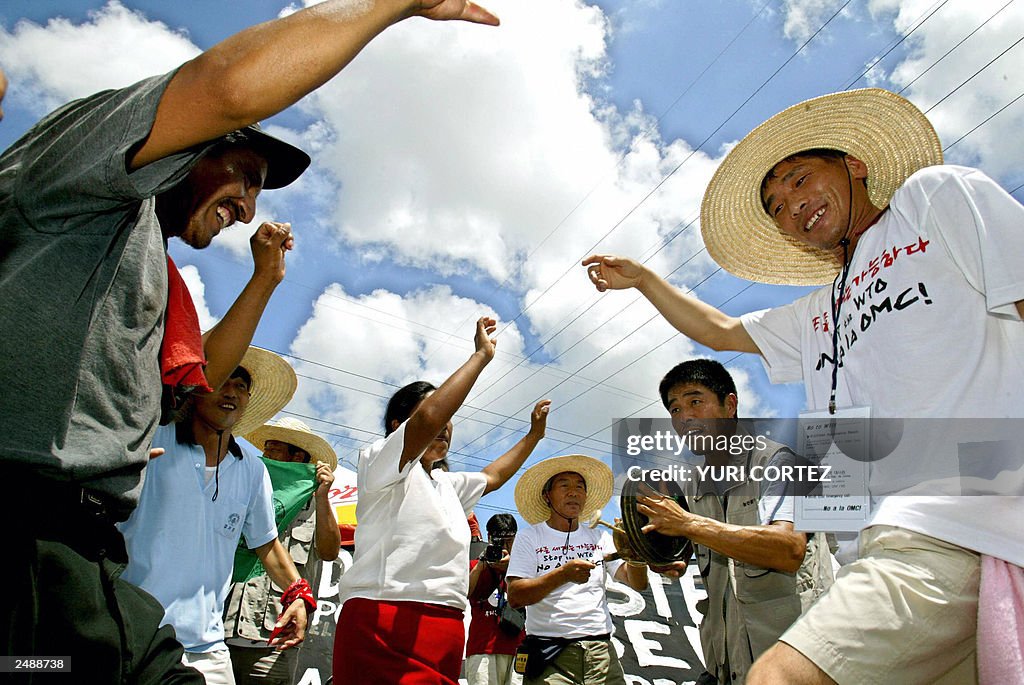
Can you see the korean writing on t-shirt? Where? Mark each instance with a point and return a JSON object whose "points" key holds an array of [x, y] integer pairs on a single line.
{"points": [[553, 557], [874, 267], [884, 261], [871, 297]]}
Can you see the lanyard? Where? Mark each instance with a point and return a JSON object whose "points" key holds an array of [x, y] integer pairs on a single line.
{"points": [[837, 306]]}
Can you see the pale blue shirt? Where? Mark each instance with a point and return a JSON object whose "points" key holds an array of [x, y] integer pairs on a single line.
{"points": [[181, 544]]}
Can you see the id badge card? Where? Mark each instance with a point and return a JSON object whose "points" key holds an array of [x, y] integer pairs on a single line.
{"points": [[840, 442]]}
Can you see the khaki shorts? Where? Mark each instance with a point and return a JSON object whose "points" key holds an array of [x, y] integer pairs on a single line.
{"points": [[905, 612], [585, 661]]}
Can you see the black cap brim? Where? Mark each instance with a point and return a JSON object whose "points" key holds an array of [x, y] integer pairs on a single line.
{"points": [[285, 162]]}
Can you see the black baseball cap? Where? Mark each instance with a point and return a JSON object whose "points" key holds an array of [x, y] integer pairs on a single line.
{"points": [[285, 162]]}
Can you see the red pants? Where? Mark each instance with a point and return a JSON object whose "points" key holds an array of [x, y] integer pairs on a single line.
{"points": [[398, 643]]}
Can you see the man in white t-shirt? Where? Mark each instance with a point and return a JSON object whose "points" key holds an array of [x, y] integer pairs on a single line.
{"points": [[558, 572], [923, 320]]}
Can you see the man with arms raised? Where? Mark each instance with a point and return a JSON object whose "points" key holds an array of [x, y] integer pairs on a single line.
{"points": [[848, 189], [88, 198]]}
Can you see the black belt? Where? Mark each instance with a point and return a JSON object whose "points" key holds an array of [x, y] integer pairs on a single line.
{"points": [[540, 651], [78, 517], [567, 640], [68, 498], [595, 638]]}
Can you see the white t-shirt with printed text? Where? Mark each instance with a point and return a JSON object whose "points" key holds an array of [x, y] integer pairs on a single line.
{"points": [[572, 609], [928, 329]]}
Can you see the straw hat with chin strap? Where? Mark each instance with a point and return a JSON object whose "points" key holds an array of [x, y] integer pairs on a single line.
{"points": [[297, 433], [885, 131], [530, 489], [273, 384]]}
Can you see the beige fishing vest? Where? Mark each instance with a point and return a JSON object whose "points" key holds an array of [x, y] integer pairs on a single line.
{"points": [[749, 607]]}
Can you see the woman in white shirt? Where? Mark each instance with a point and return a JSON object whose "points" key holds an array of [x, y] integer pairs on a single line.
{"points": [[405, 594]]}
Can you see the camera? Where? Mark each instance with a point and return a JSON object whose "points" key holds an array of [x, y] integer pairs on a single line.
{"points": [[493, 553]]}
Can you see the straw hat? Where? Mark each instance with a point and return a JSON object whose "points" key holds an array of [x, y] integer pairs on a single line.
{"points": [[529, 490], [273, 384], [888, 133], [295, 432]]}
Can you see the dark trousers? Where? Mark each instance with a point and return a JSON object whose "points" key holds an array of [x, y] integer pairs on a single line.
{"points": [[63, 597]]}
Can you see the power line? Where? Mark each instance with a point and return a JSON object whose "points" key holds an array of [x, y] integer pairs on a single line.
{"points": [[936, 104], [629, 335], [959, 43], [642, 135], [928, 15], [688, 157], [353, 301], [564, 327], [623, 156], [969, 78], [464, 406], [986, 120], [660, 183]]}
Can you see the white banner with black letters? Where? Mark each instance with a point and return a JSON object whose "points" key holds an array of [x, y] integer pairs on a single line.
{"points": [[655, 630]]}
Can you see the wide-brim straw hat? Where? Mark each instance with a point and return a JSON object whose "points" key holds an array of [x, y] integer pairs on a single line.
{"points": [[530, 488], [273, 384], [297, 433], [885, 131]]}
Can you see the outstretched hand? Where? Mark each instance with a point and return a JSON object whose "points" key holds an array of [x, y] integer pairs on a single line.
{"points": [[608, 272], [485, 344], [539, 418], [462, 10]]}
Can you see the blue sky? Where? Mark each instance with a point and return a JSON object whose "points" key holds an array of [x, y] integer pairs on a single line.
{"points": [[461, 170]]}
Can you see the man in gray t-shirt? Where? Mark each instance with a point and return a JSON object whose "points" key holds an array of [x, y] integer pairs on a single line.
{"points": [[88, 198]]}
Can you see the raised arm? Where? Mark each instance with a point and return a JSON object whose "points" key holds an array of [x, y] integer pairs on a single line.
{"points": [[226, 343], [504, 467], [440, 406], [264, 69], [327, 537], [691, 317]]}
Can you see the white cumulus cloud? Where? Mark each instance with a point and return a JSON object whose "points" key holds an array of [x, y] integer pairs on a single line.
{"points": [[960, 94], [62, 61], [929, 76], [197, 289]]}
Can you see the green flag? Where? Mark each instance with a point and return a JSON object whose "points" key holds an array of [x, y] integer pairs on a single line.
{"points": [[293, 485]]}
